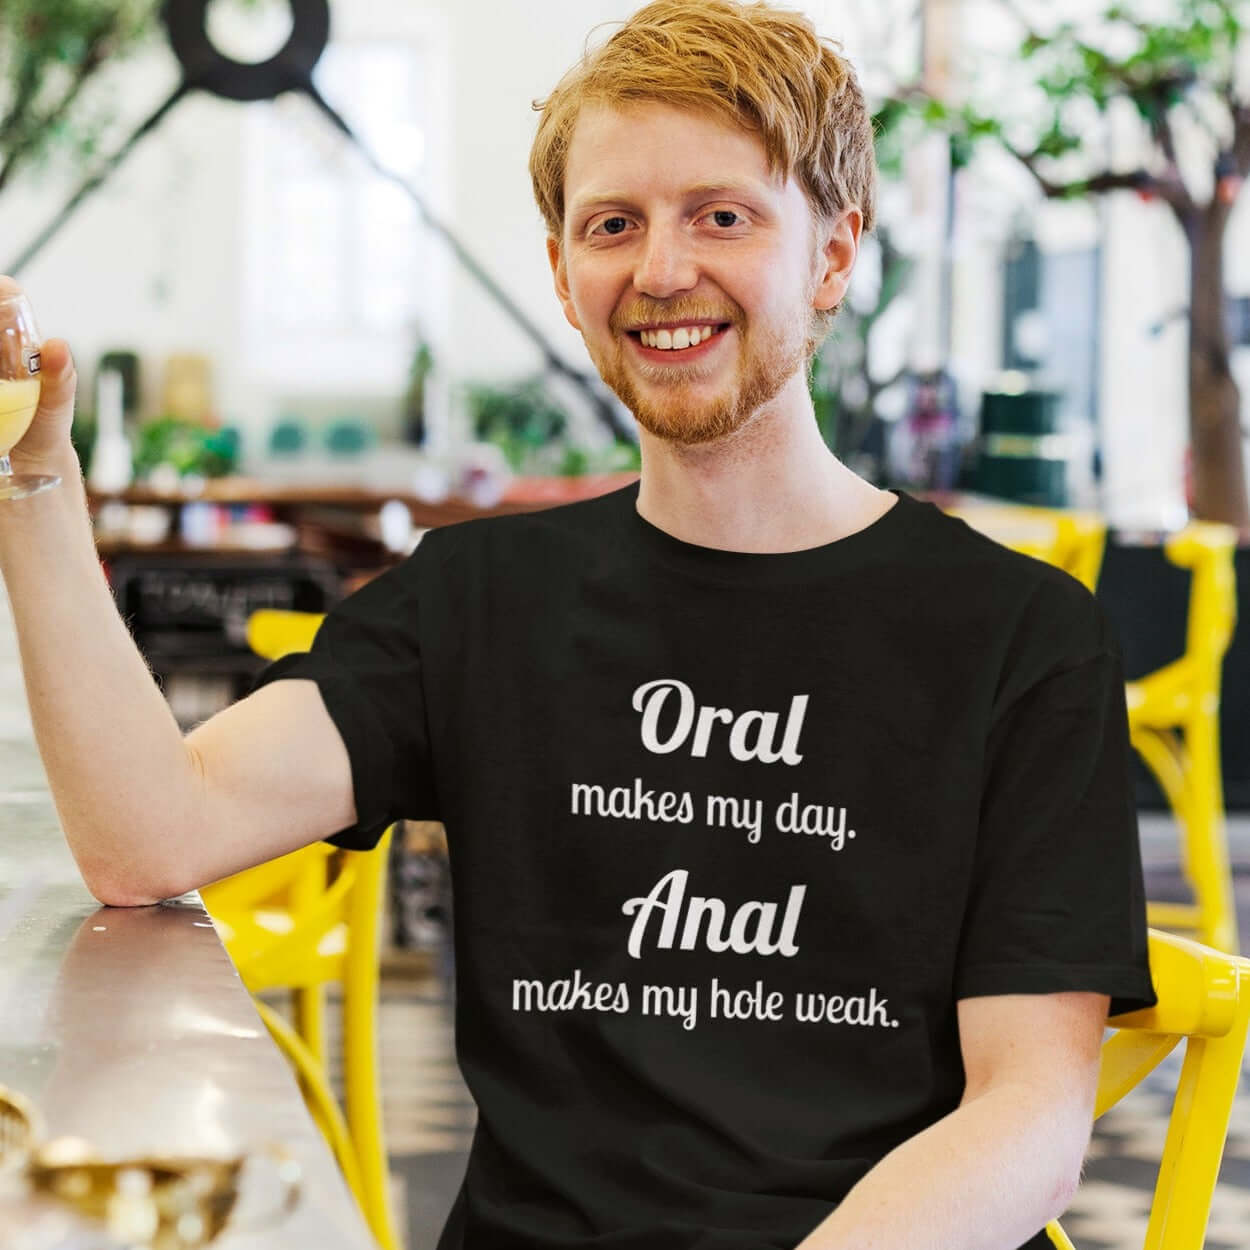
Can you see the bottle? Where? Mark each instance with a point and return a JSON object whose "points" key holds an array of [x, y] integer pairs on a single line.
{"points": [[111, 464]]}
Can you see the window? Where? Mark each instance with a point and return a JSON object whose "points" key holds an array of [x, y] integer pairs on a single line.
{"points": [[340, 273]]}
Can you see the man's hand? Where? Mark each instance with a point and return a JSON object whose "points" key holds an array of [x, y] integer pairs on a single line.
{"points": [[45, 446], [146, 813], [993, 1172]]}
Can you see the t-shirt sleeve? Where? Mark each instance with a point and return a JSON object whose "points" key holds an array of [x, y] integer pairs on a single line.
{"points": [[1057, 900], [366, 660]]}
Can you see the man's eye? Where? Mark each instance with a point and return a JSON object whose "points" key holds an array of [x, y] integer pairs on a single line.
{"points": [[722, 213], [608, 221]]}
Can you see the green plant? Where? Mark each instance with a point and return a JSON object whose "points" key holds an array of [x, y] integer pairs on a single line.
{"points": [[189, 446], [520, 419], [621, 456], [51, 52], [1179, 71], [414, 399], [532, 431], [422, 363]]}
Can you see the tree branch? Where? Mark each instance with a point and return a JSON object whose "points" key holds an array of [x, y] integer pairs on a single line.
{"points": [[1171, 186], [1241, 139], [98, 50], [1171, 190], [28, 86], [1191, 106], [1161, 132]]}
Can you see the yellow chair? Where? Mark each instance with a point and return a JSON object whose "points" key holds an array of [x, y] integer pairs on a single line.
{"points": [[272, 634], [1173, 712], [299, 923], [1204, 999], [1174, 722], [1074, 541]]}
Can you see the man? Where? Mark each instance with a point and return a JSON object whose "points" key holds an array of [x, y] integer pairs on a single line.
{"points": [[791, 830]]}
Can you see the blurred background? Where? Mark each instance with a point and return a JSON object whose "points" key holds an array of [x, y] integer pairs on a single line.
{"points": [[251, 270], [312, 323]]}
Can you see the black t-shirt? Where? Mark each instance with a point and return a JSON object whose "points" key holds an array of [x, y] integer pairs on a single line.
{"points": [[730, 835]]}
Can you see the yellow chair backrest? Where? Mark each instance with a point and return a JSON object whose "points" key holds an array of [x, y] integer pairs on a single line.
{"points": [[283, 921], [1166, 697], [1204, 1001], [1074, 541], [286, 922], [1173, 716], [273, 633]]}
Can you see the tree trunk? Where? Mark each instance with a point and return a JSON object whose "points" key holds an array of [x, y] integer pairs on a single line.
{"points": [[1218, 462]]}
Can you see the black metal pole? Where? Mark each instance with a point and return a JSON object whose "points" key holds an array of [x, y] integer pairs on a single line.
{"points": [[589, 383], [36, 245]]}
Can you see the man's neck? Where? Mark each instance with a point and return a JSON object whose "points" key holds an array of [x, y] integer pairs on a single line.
{"points": [[774, 486]]}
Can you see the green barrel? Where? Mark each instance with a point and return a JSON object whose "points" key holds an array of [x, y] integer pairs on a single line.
{"points": [[1024, 453]]}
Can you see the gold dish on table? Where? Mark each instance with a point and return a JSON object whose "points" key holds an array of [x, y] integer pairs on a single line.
{"points": [[166, 1203], [162, 1203], [20, 1129]]}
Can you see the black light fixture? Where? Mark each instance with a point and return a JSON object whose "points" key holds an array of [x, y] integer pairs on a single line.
{"points": [[206, 68]]}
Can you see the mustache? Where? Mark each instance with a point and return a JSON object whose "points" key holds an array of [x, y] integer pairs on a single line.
{"points": [[649, 314]]}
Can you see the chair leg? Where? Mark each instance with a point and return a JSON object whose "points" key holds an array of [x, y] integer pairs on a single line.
{"points": [[1193, 1166], [360, 1046], [310, 1019], [1209, 843], [1189, 775], [1058, 1238], [1163, 751], [364, 1114], [320, 1098]]}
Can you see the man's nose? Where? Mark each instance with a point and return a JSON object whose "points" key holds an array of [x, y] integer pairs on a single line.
{"points": [[666, 264]]}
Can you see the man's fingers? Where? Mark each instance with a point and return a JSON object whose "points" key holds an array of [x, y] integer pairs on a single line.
{"points": [[58, 374], [56, 364]]}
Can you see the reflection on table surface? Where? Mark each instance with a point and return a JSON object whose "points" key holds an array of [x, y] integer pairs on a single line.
{"points": [[129, 1026]]}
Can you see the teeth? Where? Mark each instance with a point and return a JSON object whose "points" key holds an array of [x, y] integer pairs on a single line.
{"points": [[675, 340]]}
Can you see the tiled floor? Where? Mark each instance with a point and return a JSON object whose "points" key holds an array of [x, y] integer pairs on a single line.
{"points": [[429, 1114]]}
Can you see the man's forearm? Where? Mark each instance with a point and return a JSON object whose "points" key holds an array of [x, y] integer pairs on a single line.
{"points": [[987, 1176], [110, 745]]}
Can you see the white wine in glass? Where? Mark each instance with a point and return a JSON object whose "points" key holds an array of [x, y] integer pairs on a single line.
{"points": [[19, 392]]}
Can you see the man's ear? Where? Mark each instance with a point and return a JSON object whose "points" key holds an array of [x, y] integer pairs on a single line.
{"points": [[560, 276], [838, 253]]}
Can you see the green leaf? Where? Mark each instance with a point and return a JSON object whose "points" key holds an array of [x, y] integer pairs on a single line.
{"points": [[44, 50], [985, 127]]}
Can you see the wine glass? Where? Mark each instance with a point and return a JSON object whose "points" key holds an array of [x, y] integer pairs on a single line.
{"points": [[19, 392]]}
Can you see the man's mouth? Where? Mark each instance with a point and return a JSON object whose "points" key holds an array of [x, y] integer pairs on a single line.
{"points": [[682, 343]]}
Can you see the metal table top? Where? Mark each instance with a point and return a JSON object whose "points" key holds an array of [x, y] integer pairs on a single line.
{"points": [[129, 1027]]}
